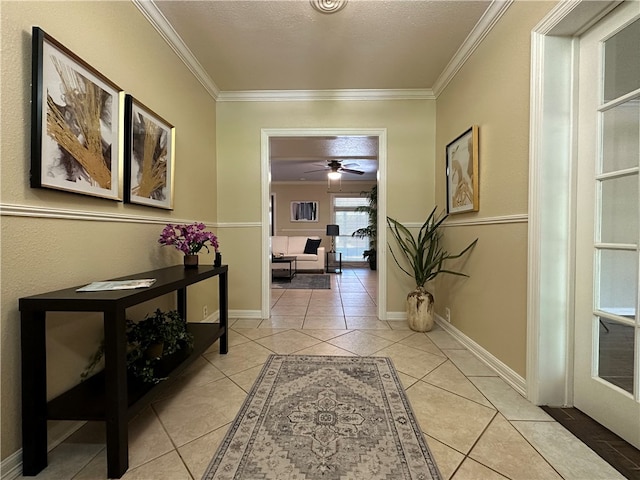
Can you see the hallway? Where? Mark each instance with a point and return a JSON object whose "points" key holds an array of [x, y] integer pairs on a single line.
{"points": [[476, 426]]}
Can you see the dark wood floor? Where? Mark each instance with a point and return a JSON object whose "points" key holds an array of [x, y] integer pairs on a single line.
{"points": [[621, 455]]}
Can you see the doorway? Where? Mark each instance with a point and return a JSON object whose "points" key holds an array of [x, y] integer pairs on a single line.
{"points": [[266, 135]]}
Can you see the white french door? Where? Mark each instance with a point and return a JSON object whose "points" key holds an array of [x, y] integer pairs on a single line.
{"points": [[607, 325]]}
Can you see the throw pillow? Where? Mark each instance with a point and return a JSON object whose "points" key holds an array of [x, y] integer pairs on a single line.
{"points": [[312, 246]]}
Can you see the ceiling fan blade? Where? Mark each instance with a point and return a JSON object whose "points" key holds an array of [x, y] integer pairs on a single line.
{"points": [[348, 170], [319, 170]]}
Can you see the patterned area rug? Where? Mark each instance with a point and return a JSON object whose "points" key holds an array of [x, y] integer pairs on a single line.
{"points": [[303, 280], [324, 418]]}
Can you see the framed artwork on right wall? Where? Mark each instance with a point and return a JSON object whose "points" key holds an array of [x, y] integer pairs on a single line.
{"points": [[462, 173]]}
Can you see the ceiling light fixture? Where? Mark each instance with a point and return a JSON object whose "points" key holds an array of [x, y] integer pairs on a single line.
{"points": [[328, 6], [334, 175]]}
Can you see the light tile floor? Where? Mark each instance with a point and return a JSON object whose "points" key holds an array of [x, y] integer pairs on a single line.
{"points": [[475, 424]]}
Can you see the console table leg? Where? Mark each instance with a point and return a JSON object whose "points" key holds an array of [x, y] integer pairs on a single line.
{"points": [[34, 392], [224, 312], [181, 296], [116, 393]]}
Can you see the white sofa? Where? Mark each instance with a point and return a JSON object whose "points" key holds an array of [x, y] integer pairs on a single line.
{"points": [[294, 246]]}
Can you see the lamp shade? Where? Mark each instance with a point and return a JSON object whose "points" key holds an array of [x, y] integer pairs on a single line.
{"points": [[333, 230]]}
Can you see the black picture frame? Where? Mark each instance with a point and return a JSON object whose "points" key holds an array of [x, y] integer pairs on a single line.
{"points": [[149, 172], [304, 211], [462, 173], [76, 123]]}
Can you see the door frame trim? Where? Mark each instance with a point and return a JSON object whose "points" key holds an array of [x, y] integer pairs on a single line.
{"points": [[381, 133], [552, 202]]}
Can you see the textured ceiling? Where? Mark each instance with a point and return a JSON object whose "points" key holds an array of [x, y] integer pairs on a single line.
{"points": [[286, 45]]}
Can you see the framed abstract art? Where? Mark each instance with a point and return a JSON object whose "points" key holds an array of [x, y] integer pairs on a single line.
{"points": [[462, 173], [76, 126], [304, 211], [149, 156]]}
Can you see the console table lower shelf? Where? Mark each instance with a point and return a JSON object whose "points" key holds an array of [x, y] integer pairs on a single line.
{"points": [[113, 395], [87, 400]]}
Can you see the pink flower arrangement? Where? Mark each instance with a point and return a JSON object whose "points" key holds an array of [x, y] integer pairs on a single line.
{"points": [[189, 239]]}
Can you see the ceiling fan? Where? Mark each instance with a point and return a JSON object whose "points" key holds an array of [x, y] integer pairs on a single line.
{"points": [[335, 168]]}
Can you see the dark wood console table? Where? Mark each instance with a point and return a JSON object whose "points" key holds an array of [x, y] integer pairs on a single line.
{"points": [[111, 395]]}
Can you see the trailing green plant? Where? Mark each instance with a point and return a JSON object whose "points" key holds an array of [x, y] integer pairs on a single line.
{"points": [[168, 330], [424, 254], [371, 230]]}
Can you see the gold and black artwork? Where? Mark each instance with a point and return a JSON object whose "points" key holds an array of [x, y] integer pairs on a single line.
{"points": [[462, 173], [76, 123], [149, 156]]}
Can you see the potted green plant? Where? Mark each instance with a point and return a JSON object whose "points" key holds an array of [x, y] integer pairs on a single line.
{"points": [[148, 342], [371, 230], [425, 258]]}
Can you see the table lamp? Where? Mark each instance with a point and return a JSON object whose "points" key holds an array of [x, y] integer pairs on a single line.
{"points": [[333, 231]]}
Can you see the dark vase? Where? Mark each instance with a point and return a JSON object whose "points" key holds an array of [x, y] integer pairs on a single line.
{"points": [[218, 261], [373, 261], [191, 261]]}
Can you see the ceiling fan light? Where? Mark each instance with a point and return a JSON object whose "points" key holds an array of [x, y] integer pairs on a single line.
{"points": [[334, 175]]}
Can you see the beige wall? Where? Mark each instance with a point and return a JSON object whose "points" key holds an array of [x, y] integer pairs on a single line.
{"points": [[42, 254], [285, 193], [492, 91], [410, 128]]}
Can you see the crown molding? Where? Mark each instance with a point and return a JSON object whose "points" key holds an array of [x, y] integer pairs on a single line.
{"points": [[307, 95], [473, 40], [151, 12]]}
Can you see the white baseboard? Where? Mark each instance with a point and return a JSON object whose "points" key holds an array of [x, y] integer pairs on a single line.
{"points": [[215, 316], [245, 314], [11, 467], [507, 374], [517, 382], [396, 316]]}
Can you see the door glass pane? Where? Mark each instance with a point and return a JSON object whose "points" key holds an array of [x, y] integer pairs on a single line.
{"points": [[622, 62], [617, 282], [619, 210], [621, 136], [615, 353]]}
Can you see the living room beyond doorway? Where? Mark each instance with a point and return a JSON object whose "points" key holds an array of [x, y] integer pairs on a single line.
{"points": [[314, 166]]}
